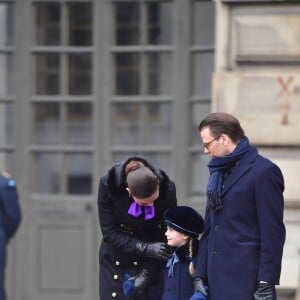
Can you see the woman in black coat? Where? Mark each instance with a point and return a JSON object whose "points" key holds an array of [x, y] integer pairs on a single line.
{"points": [[132, 199]]}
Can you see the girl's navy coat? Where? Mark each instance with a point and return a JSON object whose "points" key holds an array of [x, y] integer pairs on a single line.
{"points": [[180, 285], [243, 242], [121, 231]]}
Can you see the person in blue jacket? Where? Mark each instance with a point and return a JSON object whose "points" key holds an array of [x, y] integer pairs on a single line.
{"points": [[184, 224], [242, 243], [10, 218]]}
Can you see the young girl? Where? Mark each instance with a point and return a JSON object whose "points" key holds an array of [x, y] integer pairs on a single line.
{"points": [[184, 225]]}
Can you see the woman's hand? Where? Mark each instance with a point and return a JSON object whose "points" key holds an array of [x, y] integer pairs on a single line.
{"points": [[155, 250]]}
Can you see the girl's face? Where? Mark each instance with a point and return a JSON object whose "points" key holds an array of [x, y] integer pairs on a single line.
{"points": [[175, 238]]}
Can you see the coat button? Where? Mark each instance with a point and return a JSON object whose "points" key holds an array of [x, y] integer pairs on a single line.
{"points": [[216, 227], [135, 263], [117, 263], [116, 277], [114, 294]]}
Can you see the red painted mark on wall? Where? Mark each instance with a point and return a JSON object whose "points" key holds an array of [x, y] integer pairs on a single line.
{"points": [[285, 86], [284, 97]]}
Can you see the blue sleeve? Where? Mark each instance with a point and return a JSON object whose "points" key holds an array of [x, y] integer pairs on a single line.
{"points": [[270, 208], [10, 208]]}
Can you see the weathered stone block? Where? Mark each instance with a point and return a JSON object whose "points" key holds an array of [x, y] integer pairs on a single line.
{"points": [[267, 36], [266, 103]]}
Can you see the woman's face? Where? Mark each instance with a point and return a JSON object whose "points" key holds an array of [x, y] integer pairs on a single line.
{"points": [[149, 201]]}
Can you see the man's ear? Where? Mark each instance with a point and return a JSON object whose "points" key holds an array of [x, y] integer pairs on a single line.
{"points": [[225, 139]]}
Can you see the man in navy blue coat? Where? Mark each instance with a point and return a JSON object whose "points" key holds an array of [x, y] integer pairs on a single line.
{"points": [[10, 218], [241, 247]]}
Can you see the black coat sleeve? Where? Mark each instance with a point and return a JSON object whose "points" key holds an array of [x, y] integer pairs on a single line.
{"points": [[110, 232]]}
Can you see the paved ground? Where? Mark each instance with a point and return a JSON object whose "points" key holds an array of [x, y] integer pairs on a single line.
{"points": [[285, 295]]}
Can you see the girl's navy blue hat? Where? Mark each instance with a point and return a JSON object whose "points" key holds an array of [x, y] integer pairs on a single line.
{"points": [[185, 220]]}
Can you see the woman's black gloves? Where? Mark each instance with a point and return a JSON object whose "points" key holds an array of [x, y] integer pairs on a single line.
{"points": [[264, 291], [199, 286], [135, 286], [141, 282], [155, 250]]}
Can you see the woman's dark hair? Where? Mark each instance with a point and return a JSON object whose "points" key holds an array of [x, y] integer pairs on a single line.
{"points": [[141, 181], [221, 122]]}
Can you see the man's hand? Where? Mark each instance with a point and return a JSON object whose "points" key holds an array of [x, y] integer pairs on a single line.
{"points": [[264, 291]]}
